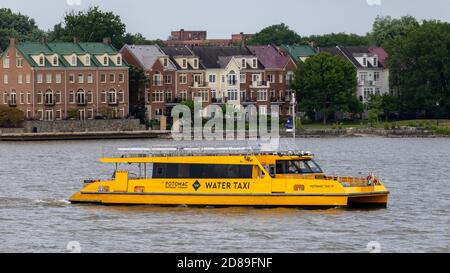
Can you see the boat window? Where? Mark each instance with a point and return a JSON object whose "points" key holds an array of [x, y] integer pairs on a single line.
{"points": [[173, 170], [297, 167]]}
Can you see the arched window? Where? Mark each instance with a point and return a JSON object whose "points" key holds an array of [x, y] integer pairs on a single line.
{"points": [[13, 98], [87, 60], [232, 78], [81, 97], [105, 60], [55, 60], [119, 60], [112, 96], [74, 60], [41, 60], [49, 97]]}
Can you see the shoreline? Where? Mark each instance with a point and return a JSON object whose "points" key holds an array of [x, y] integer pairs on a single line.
{"points": [[165, 134]]}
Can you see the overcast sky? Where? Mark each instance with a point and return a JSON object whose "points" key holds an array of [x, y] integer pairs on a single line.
{"points": [[155, 19]]}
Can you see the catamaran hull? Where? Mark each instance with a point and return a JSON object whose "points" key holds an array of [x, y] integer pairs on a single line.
{"points": [[263, 200]]}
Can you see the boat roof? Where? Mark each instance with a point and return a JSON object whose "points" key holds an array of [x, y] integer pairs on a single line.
{"points": [[198, 155]]}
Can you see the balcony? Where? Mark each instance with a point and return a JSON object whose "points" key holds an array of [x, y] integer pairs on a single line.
{"points": [[260, 84], [366, 82]]}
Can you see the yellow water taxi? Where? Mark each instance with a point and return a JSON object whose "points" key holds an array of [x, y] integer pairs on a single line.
{"points": [[214, 177]]}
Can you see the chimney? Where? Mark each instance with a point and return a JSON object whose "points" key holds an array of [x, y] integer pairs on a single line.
{"points": [[75, 40], [12, 42], [44, 40], [107, 40]]}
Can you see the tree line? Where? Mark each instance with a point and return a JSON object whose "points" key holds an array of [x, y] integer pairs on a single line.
{"points": [[418, 59]]}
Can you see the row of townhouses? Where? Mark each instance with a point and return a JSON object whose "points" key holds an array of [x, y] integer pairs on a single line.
{"points": [[52, 81]]}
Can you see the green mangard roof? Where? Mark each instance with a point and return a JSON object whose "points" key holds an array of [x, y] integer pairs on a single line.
{"points": [[61, 49], [299, 51]]}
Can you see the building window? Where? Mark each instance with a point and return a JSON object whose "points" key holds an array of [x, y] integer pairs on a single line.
{"points": [[255, 63], [87, 60], [49, 97], [72, 97], [213, 94], [22, 98], [183, 95], [242, 77], [232, 94], [376, 76], [19, 62], [58, 78], [289, 77], [112, 78], [167, 79], [119, 60], [244, 63], [256, 77], [158, 96], [105, 60], [20, 79], [364, 61], [41, 61], [270, 78], [196, 63], [58, 97], [5, 79], [81, 97], [204, 95], [89, 97], [58, 115], [71, 78], [262, 110], [48, 78], [112, 96], [242, 95], [232, 78], [103, 78], [121, 96], [157, 79], [39, 78], [90, 113], [28, 78], [121, 78], [39, 98], [375, 61], [6, 63], [80, 78], [55, 61], [103, 96], [28, 98], [262, 95], [165, 62], [212, 78], [182, 78], [184, 63], [74, 60]]}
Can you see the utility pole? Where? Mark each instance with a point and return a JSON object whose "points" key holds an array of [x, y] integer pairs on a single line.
{"points": [[294, 103]]}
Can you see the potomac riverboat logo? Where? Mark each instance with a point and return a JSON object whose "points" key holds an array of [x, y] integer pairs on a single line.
{"points": [[196, 185]]}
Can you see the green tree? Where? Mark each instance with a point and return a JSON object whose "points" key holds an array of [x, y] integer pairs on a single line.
{"points": [[276, 34], [326, 84], [10, 117], [137, 80], [334, 39], [386, 29], [18, 26], [420, 75], [91, 25], [139, 39]]}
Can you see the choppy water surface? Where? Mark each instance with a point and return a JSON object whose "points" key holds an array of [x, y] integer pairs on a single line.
{"points": [[36, 179]]}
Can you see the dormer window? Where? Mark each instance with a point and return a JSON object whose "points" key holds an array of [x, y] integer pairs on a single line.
{"points": [[364, 61], [375, 61], [105, 60], [195, 63], [55, 61], [87, 60], [119, 60], [41, 61], [244, 63], [255, 63], [184, 63], [165, 62], [73, 61]]}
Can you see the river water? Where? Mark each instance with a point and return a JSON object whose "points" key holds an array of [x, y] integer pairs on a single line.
{"points": [[37, 178]]}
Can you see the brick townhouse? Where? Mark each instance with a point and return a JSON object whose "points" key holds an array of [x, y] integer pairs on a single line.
{"points": [[54, 81]]}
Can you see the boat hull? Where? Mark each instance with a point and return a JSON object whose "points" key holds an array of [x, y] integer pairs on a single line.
{"points": [[263, 200]]}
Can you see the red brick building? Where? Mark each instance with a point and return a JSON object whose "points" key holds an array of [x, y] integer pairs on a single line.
{"points": [[54, 81]]}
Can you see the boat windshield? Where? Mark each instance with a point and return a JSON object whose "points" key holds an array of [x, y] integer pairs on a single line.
{"points": [[297, 167]]}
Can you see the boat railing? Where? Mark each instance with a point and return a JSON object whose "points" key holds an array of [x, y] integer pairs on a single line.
{"points": [[350, 181], [161, 151]]}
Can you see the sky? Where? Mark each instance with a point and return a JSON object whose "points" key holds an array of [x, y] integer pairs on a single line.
{"points": [[155, 19]]}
